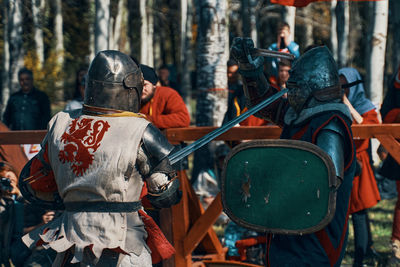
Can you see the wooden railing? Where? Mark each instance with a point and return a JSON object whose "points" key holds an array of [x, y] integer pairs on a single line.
{"points": [[187, 224]]}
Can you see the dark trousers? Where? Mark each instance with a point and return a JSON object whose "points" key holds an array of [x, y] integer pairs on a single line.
{"points": [[362, 236]]}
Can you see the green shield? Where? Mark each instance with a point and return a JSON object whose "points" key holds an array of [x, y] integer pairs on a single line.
{"points": [[279, 186]]}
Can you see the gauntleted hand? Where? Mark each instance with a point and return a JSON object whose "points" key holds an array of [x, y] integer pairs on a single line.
{"points": [[241, 51]]}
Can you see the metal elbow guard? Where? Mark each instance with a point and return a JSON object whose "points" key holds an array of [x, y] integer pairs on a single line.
{"points": [[167, 198]]}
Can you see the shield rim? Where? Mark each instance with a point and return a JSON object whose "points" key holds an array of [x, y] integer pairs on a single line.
{"points": [[306, 146]]}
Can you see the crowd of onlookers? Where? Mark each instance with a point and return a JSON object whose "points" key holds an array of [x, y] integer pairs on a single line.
{"points": [[161, 103]]}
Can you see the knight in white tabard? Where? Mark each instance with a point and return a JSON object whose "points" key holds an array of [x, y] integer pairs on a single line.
{"points": [[98, 163]]}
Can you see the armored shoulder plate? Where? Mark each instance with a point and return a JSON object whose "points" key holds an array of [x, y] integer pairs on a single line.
{"points": [[331, 139], [155, 145]]}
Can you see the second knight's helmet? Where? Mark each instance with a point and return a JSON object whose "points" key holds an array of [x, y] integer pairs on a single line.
{"points": [[114, 81], [313, 75]]}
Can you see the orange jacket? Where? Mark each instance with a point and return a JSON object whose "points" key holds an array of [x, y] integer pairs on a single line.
{"points": [[365, 193], [166, 109]]}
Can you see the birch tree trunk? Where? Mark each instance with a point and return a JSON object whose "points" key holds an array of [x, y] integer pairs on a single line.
{"points": [[249, 19], [289, 16], [186, 52], [116, 26], [343, 29], [211, 73], [37, 14], [5, 75], [376, 60], [58, 28], [307, 13], [150, 33], [15, 42], [92, 10], [146, 33], [334, 37], [102, 33]]}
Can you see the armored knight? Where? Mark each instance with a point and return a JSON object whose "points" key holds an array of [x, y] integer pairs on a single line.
{"points": [[312, 112], [98, 163]]}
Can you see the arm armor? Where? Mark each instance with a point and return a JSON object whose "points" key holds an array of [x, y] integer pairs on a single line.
{"points": [[331, 139], [54, 202], [157, 148]]}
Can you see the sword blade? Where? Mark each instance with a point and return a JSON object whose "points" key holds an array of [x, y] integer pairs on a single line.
{"points": [[174, 158], [269, 53]]}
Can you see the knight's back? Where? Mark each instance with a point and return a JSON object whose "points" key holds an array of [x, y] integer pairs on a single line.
{"points": [[90, 154]]}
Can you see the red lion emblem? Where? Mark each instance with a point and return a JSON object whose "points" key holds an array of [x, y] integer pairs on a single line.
{"points": [[79, 138]]}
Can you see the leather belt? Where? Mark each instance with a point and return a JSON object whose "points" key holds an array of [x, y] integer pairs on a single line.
{"points": [[102, 206]]}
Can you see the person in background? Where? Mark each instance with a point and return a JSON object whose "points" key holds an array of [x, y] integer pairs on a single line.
{"points": [[365, 192], [11, 218], [390, 112], [236, 99], [164, 78], [163, 106], [283, 44], [79, 94], [29, 108], [279, 82]]}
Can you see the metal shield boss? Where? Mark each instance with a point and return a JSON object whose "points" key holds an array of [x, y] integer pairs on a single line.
{"points": [[279, 186]]}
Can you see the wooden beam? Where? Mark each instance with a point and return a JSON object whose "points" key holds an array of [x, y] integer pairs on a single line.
{"points": [[391, 145], [200, 228], [177, 135]]}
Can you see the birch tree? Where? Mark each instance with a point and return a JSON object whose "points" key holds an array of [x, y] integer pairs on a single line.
{"points": [[211, 72], [15, 42], [289, 16], [186, 52], [146, 32], [37, 14], [343, 29], [334, 38], [376, 57], [116, 26], [249, 17], [5, 75], [102, 21], [58, 33]]}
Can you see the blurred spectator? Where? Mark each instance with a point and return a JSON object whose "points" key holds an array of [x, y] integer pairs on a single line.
{"points": [[207, 184], [79, 94], [29, 108], [283, 44], [365, 193], [279, 82], [11, 218], [163, 106], [236, 98], [390, 111], [386, 186], [165, 79]]}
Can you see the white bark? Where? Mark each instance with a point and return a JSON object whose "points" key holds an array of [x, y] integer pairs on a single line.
{"points": [[143, 33], [211, 73], [186, 53], [343, 29], [289, 16], [150, 33], [116, 27], [92, 10], [334, 38], [102, 34], [37, 14], [58, 33], [376, 63], [5, 78], [308, 26], [15, 42]]}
